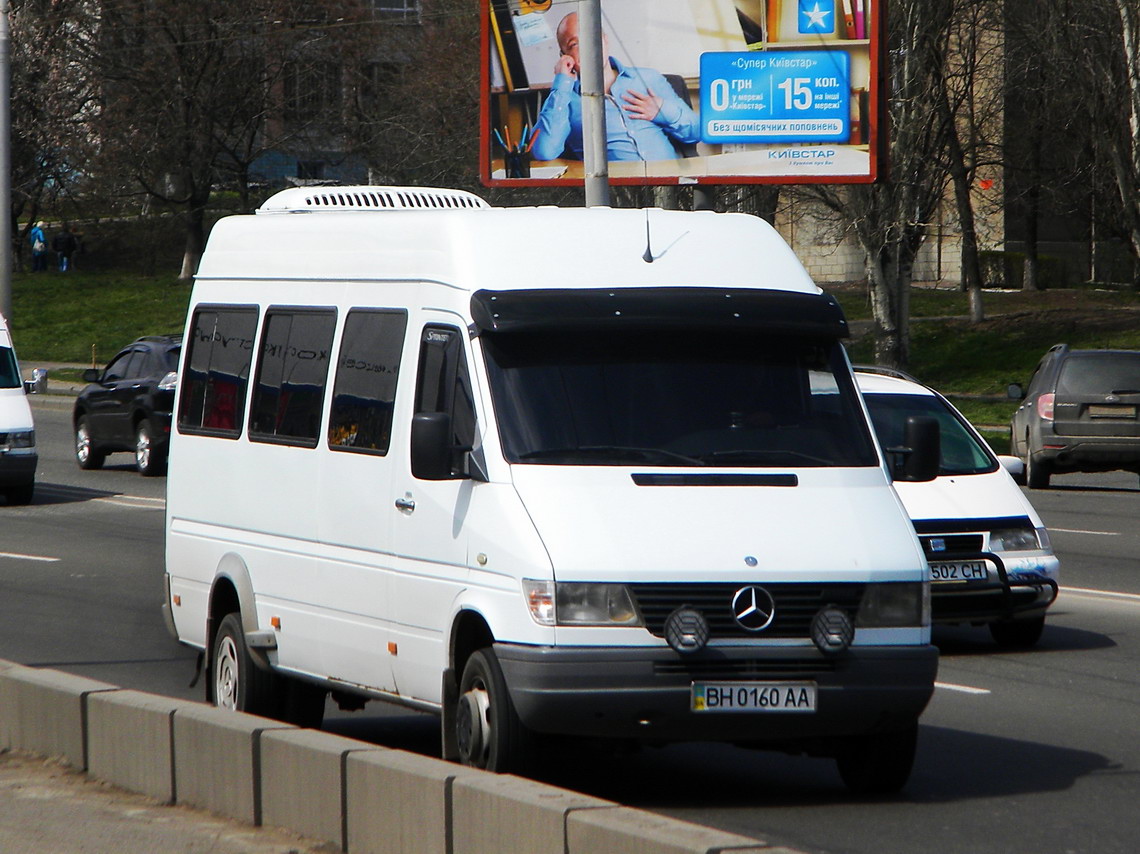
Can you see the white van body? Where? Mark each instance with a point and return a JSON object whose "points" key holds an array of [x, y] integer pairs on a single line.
{"points": [[991, 559], [583, 591], [18, 457]]}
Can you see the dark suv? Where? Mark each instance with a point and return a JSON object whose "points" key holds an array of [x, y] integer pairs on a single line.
{"points": [[127, 406], [1080, 413]]}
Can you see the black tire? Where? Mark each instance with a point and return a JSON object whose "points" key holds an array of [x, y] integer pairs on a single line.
{"points": [[878, 764], [235, 681], [1037, 473], [488, 731], [1018, 634], [20, 495], [85, 453], [150, 461]]}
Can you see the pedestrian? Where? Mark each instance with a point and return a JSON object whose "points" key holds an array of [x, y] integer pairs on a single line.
{"points": [[64, 245], [39, 248]]}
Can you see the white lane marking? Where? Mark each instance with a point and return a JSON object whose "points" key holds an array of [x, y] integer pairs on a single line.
{"points": [[1101, 594], [964, 689], [1082, 531], [15, 556]]}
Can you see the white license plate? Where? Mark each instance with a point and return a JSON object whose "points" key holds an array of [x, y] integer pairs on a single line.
{"points": [[753, 696], [1112, 411], [961, 570]]}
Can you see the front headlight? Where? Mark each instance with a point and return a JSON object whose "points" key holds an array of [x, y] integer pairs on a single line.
{"points": [[894, 605], [1015, 540], [574, 603], [21, 439]]}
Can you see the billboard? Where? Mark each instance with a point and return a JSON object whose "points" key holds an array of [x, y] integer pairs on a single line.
{"points": [[697, 92]]}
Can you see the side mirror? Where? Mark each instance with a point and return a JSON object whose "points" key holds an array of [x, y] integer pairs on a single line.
{"points": [[1013, 465], [92, 375], [1014, 391], [431, 446], [922, 453], [38, 383]]}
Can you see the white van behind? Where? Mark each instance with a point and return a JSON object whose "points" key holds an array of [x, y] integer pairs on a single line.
{"points": [[18, 457], [540, 471]]}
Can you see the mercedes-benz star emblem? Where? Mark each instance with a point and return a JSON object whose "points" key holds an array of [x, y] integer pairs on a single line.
{"points": [[753, 608]]}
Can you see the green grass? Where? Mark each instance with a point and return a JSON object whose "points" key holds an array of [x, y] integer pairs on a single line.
{"points": [[80, 316]]}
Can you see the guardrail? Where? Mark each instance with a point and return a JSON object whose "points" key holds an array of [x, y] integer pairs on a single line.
{"points": [[365, 798]]}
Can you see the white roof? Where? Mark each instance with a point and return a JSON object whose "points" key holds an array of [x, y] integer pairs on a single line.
{"points": [[872, 383], [500, 248]]}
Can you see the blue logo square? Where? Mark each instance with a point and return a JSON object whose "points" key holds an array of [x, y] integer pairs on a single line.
{"points": [[817, 16]]}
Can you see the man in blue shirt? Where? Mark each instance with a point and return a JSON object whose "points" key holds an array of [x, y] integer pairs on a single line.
{"points": [[643, 113]]}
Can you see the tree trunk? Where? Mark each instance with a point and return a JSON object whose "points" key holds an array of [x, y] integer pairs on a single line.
{"points": [[195, 239]]}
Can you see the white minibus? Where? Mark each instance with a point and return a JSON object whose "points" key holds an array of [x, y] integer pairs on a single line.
{"points": [[543, 472]]}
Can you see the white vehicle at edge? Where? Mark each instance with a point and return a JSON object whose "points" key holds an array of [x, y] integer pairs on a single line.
{"points": [[991, 560], [18, 457], [540, 471]]}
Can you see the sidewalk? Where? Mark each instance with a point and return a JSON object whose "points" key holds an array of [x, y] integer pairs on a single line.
{"points": [[48, 808]]}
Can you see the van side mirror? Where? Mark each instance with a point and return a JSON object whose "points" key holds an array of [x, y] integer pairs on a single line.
{"points": [[431, 446], [1014, 391], [920, 457], [923, 452]]}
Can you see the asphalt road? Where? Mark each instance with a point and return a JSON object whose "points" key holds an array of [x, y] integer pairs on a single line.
{"points": [[1028, 751]]}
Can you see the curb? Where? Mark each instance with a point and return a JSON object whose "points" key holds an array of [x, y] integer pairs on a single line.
{"points": [[361, 797]]}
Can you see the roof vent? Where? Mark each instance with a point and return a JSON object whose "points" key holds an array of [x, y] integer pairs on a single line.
{"points": [[308, 199]]}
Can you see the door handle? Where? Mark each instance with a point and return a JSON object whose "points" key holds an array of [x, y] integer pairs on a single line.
{"points": [[406, 505]]}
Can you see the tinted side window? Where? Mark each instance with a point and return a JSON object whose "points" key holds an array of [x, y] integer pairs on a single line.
{"points": [[9, 375], [217, 371], [444, 385], [119, 367], [365, 389], [292, 370]]}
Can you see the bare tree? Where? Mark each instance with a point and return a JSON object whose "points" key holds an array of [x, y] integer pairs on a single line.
{"points": [[889, 219]]}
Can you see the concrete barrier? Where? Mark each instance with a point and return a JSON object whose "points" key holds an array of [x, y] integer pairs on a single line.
{"points": [[400, 802], [130, 741], [217, 760], [362, 798], [302, 781], [45, 712], [497, 813]]}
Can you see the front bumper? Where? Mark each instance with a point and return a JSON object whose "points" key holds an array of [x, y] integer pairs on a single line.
{"points": [[1010, 592], [644, 692], [18, 469]]}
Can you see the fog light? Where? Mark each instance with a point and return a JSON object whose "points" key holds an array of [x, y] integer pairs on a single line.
{"points": [[687, 630], [832, 631]]}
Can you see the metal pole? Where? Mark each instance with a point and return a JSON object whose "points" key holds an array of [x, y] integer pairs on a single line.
{"points": [[593, 85], [5, 165]]}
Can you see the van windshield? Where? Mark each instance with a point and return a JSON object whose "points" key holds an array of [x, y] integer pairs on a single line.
{"points": [[727, 399], [9, 372]]}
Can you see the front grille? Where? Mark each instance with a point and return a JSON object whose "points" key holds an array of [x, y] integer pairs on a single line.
{"points": [[796, 604], [953, 544]]}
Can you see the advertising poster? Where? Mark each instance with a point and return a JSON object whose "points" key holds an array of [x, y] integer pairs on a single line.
{"points": [[697, 91]]}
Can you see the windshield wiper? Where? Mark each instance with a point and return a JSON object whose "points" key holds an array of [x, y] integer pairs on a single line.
{"points": [[614, 451], [772, 457]]}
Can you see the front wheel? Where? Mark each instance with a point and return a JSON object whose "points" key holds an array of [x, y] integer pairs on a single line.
{"points": [[85, 453], [237, 682], [1017, 634], [488, 731], [878, 764]]}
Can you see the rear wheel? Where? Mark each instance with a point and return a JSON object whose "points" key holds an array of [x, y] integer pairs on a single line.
{"points": [[1018, 633], [237, 682], [488, 731], [85, 453], [1037, 473], [150, 461], [878, 764]]}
